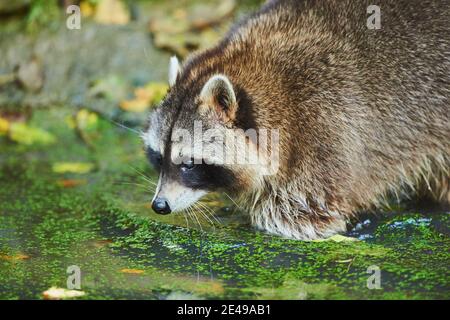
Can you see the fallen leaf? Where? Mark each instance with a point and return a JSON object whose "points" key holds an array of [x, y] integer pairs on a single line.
{"points": [[4, 126], [145, 97], [55, 293], [70, 121], [135, 105], [180, 13], [86, 8], [70, 183], [86, 125], [16, 257], [111, 12], [132, 271], [344, 261], [185, 30], [338, 238], [101, 243], [23, 134], [72, 167], [86, 120]]}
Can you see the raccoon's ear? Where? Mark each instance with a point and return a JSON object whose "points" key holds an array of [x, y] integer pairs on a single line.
{"points": [[174, 70], [218, 96]]}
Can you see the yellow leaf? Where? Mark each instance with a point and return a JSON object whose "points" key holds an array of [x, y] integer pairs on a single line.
{"points": [[135, 105], [112, 12], [16, 257], [73, 167], [180, 14], [87, 9], [55, 293], [145, 97], [157, 91], [4, 126], [23, 134], [344, 261], [86, 119], [70, 121], [338, 238], [132, 271]]}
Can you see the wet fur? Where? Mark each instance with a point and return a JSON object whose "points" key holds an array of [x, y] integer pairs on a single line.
{"points": [[362, 113]]}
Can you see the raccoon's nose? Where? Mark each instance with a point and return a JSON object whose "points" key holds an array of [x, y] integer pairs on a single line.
{"points": [[161, 206]]}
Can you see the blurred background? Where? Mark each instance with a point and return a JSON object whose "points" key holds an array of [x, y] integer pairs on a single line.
{"points": [[118, 46]]}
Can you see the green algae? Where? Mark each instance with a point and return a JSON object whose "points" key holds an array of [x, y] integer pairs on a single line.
{"points": [[105, 226]]}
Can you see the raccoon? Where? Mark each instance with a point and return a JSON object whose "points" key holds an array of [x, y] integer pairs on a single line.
{"points": [[361, 113]]}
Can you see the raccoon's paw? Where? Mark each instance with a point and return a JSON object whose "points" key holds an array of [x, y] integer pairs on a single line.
{"points": [[310, 226]]}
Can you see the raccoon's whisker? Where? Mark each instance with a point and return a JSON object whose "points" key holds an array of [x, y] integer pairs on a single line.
{"points": [[229, 197], [209, 210], [125, 127], [147, 179], [204, 214], [146, 187], [190, 214], [196, 219], [185, 218], [187, 221], [209, 213], [142, 175]]}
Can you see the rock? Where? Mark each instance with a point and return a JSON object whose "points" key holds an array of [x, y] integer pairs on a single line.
{"points": [[30, 75], [92, 67], [204, 16]]}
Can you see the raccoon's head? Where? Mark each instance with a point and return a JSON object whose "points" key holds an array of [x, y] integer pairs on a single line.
{"points": [[195, 143]]}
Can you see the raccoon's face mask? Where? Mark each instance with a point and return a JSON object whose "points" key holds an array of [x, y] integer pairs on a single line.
{"points": [[188, 143]]}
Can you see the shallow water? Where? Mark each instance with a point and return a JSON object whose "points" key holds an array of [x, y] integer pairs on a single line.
{"points": [[104, 225]]}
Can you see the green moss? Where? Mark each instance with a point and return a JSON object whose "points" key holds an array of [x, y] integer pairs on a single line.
{"points": [[105, 226]]}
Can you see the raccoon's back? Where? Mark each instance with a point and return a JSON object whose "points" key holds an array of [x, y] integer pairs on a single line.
{"points": [[413, 43], [293, 50]]}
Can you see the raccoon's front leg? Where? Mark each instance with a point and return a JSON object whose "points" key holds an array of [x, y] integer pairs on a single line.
{"points": [[297, 221]]}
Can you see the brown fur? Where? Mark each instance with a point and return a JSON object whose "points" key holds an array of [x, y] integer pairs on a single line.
{"points": [[361, 113]]}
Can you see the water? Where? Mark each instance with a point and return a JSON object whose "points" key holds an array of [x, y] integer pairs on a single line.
{"points": [[104, 225]]}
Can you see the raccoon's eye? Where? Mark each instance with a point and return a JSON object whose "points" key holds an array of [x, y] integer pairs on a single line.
{"points": [[155, 158], [188, 165]]}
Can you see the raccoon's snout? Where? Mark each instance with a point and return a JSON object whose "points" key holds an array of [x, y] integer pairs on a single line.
{"points": [[161, 206]]}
